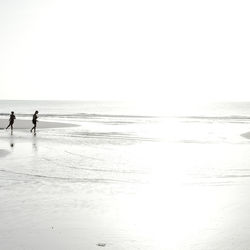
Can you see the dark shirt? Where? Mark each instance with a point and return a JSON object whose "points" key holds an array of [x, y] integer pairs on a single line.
{"points": [[34, 118], [12, 118]]}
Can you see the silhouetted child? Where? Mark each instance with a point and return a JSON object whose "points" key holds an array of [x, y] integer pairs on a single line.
{"points": [[34, 121], [11, 120]]}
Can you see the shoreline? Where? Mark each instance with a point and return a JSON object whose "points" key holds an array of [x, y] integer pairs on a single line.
{"points": [[27, 124]]}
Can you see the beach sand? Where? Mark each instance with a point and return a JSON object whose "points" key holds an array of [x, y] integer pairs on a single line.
{"points": [[246, 135], [103, 184], [3, 152], [27, 124]]}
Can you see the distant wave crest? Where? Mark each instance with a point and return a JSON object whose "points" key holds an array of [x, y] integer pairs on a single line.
{"points": [[81, 115]]}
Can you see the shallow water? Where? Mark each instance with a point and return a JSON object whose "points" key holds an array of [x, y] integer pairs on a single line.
{"points": [[127, 182]]}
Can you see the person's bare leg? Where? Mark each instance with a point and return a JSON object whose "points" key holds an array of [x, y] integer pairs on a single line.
{"points": [[34, 128]]}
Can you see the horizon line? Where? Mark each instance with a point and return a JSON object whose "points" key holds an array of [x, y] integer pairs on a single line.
{"points": [[132, 101]]}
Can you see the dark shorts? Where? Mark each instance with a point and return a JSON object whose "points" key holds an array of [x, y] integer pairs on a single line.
{"points": [[34, 122]]}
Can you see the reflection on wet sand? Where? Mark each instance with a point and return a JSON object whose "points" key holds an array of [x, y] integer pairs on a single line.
{"points": [[34, 144], [12, 144]]}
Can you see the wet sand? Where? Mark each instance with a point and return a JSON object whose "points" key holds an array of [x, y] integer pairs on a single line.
{"points": [[3, 152], [102, 186], [246, 135], [27, 124]]}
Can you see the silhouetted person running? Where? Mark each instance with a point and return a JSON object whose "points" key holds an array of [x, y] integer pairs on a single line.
{"points": [[34, 121], [11, 120]]}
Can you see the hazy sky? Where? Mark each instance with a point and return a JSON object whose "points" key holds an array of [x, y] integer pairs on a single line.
{"points": [[104, 49]]}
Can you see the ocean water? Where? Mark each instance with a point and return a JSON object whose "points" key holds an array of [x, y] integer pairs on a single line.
{"points": [[130, 176]]}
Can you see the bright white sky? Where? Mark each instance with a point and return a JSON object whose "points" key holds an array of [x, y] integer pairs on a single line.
{"points": [[125, 49]]}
